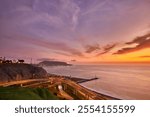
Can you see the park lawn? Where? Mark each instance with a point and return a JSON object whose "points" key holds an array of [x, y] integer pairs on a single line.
{"points": [[20, 93]]}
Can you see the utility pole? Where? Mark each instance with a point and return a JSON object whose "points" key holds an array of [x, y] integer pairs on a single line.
{"points": [[31, 61]]}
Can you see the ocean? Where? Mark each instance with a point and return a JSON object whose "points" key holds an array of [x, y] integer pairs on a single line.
{"points": [[123, 81]]}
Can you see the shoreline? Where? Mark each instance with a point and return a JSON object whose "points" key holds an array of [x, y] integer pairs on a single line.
{"points": [[70, 86], [79, 81], [102, 94]]}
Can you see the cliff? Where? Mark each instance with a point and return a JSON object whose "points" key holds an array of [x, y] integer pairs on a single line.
{"points": [[11, 72], [53, 63]]}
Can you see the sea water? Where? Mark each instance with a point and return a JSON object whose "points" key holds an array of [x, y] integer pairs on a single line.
{"points": [[124, 81]]}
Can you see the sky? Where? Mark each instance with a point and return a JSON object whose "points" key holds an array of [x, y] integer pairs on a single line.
{"points": [[79, 31]]}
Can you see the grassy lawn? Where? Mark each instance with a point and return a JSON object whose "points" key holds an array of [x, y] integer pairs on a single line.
{"points": [[20, 93]]}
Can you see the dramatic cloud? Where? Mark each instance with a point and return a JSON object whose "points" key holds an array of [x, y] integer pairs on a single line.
{"points": [[107, 49], [140, 40], [92, 48], [142, 43], [51, 28]]}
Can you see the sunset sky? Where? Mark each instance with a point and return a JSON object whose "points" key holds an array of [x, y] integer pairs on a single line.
{"points": [[84, 31]]}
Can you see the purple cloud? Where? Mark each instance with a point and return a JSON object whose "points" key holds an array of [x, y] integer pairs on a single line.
{"points": [[107, 49], [92, 48], [53, 26]]}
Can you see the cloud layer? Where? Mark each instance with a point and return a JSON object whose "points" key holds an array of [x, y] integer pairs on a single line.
{"points": [[141, 42], [92, 48], [43, 28]]}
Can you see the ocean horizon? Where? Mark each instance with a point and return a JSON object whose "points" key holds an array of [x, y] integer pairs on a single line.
{"points": [[123, 81]]}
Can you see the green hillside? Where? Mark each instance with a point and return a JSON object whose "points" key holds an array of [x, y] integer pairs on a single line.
{"points": [[20, 93]]}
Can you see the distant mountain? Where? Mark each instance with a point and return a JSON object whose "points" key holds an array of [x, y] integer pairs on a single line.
{"points": [[53, 63]]}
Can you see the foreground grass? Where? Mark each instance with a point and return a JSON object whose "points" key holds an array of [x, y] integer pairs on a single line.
{"points": [[20, 93]]}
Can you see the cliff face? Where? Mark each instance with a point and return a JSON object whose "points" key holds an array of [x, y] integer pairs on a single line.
{"points": [[10, 72]]}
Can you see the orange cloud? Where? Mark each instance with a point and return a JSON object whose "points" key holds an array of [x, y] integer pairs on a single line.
{"points": [[142, 43], [144, 56]]}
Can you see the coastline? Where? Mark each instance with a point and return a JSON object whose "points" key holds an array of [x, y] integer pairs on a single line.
{"points": [[70, 88], [79, 81], [107, 96], [71, 85]]}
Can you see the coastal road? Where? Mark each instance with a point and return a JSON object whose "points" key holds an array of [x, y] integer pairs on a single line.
{"points": [[21, 82], [54, 83]]}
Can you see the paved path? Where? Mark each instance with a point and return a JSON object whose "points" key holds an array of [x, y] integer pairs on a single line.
{"points": [[55, 82]]}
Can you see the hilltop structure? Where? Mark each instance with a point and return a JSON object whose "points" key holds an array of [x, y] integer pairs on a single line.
{"points": [[3, 60]]}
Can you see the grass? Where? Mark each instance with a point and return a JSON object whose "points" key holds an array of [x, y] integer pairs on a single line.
{"points": [[20, 93]]}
